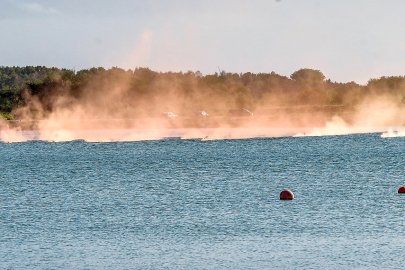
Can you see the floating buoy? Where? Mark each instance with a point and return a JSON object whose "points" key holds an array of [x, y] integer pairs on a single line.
{"points": [[401, 190], [286, 194]]}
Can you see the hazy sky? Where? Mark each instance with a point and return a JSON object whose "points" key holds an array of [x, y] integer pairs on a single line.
{"points": [[345, 39]]}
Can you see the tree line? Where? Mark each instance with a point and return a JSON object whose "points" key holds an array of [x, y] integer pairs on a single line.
{"points": [[305, 87]]}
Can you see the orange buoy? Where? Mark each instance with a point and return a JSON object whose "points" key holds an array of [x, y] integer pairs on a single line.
{"points": [[286, 194], [401, 190]]}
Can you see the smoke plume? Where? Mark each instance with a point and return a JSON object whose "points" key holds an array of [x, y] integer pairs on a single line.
{"points": [[117, 105]]}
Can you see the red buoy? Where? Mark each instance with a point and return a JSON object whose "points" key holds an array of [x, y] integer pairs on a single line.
{"points": [[286, 194], [401, 190]]}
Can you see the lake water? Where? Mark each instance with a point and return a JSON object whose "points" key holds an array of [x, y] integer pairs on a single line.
{"points": [[188, 204]]}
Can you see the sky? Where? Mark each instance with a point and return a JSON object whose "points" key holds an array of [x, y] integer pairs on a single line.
{"points": [[348, 40]]}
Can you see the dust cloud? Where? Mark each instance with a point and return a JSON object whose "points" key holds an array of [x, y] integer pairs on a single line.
{"points": [[117, 107]]}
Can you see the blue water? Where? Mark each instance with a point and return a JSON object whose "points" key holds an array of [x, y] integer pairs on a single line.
{"points": [[187, 204]]}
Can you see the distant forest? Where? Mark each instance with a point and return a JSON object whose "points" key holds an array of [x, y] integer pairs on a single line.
{"points": [[233, 91]]}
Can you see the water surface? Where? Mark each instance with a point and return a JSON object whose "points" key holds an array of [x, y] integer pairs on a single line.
{"points": [[187, 204]]}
